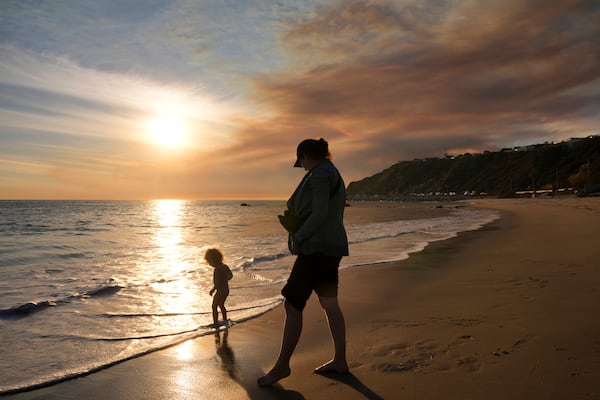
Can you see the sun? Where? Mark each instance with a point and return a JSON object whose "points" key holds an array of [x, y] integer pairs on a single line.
{"points": [[169, 132]]}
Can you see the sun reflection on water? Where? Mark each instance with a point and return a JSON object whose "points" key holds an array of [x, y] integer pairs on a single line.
{"points": [[171, 267], [169, 236], [179, 290]]}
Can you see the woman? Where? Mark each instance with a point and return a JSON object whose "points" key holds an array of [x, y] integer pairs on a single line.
{"points": [[319, 244]]}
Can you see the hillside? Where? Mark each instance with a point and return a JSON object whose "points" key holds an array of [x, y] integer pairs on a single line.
{"points": [[570, 166]]}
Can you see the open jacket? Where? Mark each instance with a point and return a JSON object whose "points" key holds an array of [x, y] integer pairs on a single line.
{"points": [[320, 199]]}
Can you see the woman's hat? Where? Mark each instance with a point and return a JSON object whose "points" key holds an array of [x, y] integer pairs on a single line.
{"points": [[304, 147]]}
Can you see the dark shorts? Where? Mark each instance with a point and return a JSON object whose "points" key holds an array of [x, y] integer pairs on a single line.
{"points": [[312, 272]]}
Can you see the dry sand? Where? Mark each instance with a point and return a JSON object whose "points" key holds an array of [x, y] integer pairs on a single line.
{"points": [[506, 312]]}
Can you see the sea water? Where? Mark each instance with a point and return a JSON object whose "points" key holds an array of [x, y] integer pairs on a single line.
{"points": [[87, 284]]}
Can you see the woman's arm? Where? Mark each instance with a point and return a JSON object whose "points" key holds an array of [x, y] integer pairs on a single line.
{"points": [[319, 187]]}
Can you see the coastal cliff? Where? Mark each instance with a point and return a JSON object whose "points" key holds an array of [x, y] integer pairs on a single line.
{"points": [[570, 166]]}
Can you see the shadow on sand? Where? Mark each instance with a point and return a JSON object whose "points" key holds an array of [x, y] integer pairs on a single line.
{"points": [[275, 393], [228, 364], [355, 383], [225, 353]]}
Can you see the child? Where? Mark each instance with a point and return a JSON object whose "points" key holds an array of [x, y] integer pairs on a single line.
{"points": [[221, 277]]}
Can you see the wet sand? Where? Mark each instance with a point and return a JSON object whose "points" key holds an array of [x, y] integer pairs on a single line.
{"points": [[505, 312]]}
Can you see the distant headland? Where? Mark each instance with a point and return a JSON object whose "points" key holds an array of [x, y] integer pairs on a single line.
{"points": [[570, 166]]}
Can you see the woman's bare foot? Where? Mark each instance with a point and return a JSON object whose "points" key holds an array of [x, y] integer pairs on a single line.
{"points": [[274, 376], [332, 367]]}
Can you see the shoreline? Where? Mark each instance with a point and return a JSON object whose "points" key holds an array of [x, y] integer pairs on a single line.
{"points": [[506, 311]]}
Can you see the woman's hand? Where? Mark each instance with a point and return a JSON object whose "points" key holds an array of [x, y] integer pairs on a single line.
{"points": [[211, 291]]}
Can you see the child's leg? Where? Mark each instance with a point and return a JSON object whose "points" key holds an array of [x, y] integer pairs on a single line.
{"points": [[215, 311], [219, 302], [223, 311], [222, 306]]}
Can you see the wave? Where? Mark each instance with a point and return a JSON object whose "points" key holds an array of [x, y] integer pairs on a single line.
{"points": [[158, 341], [36, 230], [461, 220], [267, 302], [63, 336], [262, 259], [32, 307], [151, 315], [103, 291], [391, 235], [25, 310]]}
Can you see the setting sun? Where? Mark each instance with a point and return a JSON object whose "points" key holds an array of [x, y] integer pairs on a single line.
{"points": [[168, 131]]}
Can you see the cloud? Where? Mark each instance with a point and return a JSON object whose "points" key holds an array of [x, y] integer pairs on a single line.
{"points": [[444, 72], [381, 80], [84, 128]]}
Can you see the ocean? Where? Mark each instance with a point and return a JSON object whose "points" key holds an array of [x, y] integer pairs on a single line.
{"points": [[87, 284]]}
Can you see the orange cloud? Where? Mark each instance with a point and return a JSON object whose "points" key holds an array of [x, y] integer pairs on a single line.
{"points": [[471, 75]]}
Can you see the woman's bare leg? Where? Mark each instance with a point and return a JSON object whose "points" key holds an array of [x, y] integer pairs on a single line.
{"points": [[291, 335], [337, 327]]}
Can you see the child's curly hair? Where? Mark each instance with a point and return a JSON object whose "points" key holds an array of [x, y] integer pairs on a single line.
{"points": [[213, 256]]}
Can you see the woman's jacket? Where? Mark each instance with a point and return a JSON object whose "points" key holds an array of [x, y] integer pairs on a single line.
{"points": [[320, 199]]}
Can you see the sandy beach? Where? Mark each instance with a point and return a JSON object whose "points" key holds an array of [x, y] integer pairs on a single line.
{"points": [[505, 312]]}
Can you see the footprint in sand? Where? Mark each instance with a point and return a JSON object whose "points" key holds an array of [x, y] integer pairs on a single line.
{"points": [[399, 350], [466, 322], [405, 366], [471, 364], [522, 341], [500, 352]]}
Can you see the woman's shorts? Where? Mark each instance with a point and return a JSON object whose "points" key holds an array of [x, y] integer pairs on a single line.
{"points": [[316, 272]]}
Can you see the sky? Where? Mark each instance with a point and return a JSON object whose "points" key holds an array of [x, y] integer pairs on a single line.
{"points": [[199, 99]]}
